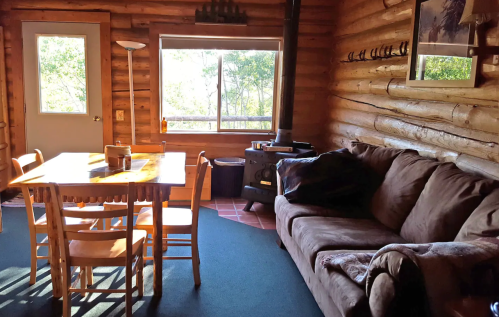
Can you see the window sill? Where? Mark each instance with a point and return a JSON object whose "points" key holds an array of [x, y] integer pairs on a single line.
{"points": [[218, 133]]}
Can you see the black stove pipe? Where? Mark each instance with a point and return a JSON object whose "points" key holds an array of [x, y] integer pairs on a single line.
{"points": [[291, 23]]}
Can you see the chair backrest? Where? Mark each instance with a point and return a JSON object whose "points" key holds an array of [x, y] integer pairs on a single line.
{"points": [[145, 148], [201, 166], [19, 165], [26, 160], [104, 190]]}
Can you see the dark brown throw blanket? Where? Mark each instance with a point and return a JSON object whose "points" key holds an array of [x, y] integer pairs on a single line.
{"points": [[445, 266]]}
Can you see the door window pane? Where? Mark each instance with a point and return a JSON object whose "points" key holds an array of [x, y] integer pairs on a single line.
{"points": [[247, 90], [190, 80], [62, 74]]}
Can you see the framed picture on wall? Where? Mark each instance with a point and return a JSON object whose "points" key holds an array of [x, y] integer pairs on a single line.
{"points": [[440, 47]]}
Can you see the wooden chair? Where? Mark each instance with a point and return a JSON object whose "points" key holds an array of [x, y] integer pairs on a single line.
{"points": [[180, 221], [39, 226], [89, 248], [141, 148]]}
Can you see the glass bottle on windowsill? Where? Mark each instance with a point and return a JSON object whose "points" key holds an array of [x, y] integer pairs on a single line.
{"points": [[164, 125]]}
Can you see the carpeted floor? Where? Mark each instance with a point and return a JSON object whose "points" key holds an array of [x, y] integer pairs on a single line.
{"points": [[243, 273]]}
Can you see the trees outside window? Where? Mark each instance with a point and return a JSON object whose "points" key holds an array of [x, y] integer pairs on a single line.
{"points": [[194, 100], [62, 74]]}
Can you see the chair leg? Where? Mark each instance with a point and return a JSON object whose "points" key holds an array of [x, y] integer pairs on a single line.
{"points": [[83, 280], [49, 253], [128, 288], [90, 276], [195, 262], [1, 223], [165, 243], [34, 255], [66, 295], [140, 276]]}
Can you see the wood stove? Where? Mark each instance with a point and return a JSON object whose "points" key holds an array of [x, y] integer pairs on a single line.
{"points": [[260, 183], [260, 179]]}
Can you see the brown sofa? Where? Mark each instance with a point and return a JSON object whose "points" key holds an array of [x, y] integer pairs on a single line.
{"points": [[413, 200]]}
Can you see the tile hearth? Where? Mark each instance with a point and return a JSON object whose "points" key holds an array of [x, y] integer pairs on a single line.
{"points": [[261, 216]]}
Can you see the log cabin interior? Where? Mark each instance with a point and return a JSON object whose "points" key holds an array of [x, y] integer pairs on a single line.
{"points": [[361, 135]]}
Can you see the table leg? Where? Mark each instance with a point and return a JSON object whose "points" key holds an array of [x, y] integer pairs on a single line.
{"points": [[55, 256], [157, 216]]}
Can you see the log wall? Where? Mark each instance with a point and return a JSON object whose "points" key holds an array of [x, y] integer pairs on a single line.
{"points": [[130, 21], [370, 102]]}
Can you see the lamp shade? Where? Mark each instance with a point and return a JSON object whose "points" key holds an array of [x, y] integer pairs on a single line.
{"points": [[479, 10], [130, 45]]}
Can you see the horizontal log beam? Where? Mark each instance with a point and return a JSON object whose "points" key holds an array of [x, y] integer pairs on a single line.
{"points": [[421, 131], [396, 67], [399, 12], [485, 95], [346, 132], [470, 117]]}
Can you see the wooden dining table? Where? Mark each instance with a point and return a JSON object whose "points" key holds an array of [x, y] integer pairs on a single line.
{"points": [[153, 173]]}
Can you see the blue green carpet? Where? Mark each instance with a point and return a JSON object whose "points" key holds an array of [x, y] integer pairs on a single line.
{"points": [[243, 273]]}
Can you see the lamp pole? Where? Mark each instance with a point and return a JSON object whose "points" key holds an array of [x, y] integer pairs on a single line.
{"points": [[130, 47]]}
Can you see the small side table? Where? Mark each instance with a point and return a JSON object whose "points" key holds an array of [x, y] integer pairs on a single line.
{"points": [[469, 307]]}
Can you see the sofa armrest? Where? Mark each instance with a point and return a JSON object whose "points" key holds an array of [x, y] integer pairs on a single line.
{"points": [[396, 287], [279, 184]]}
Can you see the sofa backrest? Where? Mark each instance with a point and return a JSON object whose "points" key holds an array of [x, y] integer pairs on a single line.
{"points": [[448, 199], [403, 184], [426, 200]]}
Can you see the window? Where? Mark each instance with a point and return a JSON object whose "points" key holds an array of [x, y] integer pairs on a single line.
{"points": [[219, 85], [62, 74]]}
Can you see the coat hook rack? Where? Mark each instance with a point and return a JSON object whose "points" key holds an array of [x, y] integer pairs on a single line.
{"points": [[383, 52]]}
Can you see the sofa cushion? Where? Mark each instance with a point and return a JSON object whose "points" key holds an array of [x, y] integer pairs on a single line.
{"points": [[315, 234], [350, 298], [403, 183], [448, 199], [484, 221], [287, 212], [378, 159]]}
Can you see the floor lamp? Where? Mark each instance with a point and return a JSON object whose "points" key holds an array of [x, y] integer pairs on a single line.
{"points": [[130, 47]]}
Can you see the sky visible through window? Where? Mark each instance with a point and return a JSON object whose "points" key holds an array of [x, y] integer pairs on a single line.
{"points": [[62, 74], [190, 95]]}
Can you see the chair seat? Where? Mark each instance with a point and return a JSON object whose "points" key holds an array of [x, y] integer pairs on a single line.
{"points": [[74, 223], [102, 251], [172, 218]]}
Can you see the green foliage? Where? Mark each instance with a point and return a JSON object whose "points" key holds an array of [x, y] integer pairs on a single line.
{"points": [[62, 74], [447, 68], [190, 79]]}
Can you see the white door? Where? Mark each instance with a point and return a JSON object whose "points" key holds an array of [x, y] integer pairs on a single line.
{"points": [[62, 87]]}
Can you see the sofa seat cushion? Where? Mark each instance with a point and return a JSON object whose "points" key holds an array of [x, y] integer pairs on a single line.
{"points": [[349, 297], [287, 212], [448, 199], [404, 182], [315, 234]]}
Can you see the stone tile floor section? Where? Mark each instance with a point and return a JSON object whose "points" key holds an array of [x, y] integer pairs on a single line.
{"points": [[261, 216]]}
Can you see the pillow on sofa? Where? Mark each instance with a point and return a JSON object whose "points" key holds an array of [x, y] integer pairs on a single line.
{"points": [[448, 199], [484, 221], [331, 179], [403, 184], [379, 159]]}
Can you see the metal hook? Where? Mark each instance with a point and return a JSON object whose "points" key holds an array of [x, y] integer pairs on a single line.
{"points": [[375, 55]]}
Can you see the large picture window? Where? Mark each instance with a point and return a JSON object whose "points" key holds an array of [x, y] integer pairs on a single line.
{"points": [[219, 85]]}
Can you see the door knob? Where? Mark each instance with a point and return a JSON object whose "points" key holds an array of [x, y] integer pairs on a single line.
{"points": [[97, 118]]}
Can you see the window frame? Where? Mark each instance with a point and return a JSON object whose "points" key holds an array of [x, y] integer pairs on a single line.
{"points": [[38, 74], [275, 98]]}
